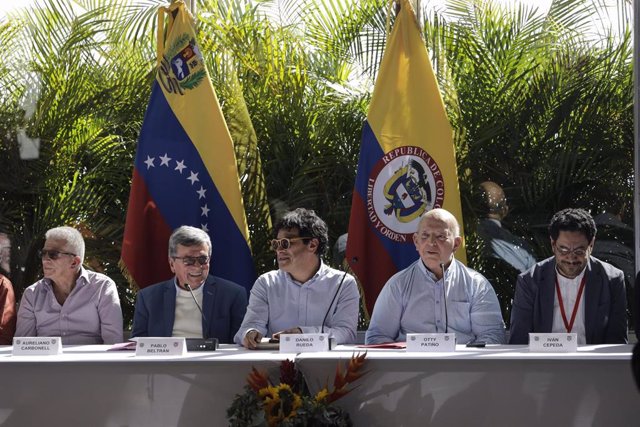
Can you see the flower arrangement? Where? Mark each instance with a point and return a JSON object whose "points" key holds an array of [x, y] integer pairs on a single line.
{"points": [[290, 403]]}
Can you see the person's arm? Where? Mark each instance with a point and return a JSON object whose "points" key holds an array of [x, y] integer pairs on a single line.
{"points": [[256, 317], [342, 321], [8, 314], [522, 311], [110, 313], [486, 318], [238, 310], [140, 326], [385, 320], [26, 322], [616, 332]]}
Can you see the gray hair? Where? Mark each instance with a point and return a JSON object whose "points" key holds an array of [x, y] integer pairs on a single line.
{"points": [[73, 238], [187, 236], [445, 216]]}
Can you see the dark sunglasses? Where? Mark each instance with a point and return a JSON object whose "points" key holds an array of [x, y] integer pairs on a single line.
{"points": [[285, 243], [52, 254], [191, 260]]}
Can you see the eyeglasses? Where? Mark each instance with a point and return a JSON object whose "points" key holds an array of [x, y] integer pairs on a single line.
{"points": [[285, 243], [576, 251], [191, 260], [52, 254]]}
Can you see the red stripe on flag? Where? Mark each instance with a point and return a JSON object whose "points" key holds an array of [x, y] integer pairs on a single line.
{"points": [[368, 258], [146, 237]]}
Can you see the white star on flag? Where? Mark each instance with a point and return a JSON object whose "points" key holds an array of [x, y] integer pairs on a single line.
{"points": [[193, 178], [179, 166], [205, 210], [164, 160], [149, 162], [201, 192], [205, 228]]}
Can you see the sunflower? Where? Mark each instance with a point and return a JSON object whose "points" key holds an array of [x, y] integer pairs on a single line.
{"points": [[280, 403]]}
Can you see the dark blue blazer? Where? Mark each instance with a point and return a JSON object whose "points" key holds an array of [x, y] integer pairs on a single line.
{"points": [[223, 304], [605, 308]]}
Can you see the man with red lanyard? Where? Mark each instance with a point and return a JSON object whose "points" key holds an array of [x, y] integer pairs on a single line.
{"points": [[571, 291]]}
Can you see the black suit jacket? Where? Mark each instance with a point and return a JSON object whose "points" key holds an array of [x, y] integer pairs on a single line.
{"points": [[223, 304], [605, 309]]}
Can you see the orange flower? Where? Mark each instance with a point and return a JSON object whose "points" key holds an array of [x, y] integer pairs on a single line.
{"points": [[257, 380], [341, 381]]}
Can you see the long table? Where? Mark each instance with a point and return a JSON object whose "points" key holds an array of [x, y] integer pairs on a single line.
{"points": [[90, 386], [496, 386]]}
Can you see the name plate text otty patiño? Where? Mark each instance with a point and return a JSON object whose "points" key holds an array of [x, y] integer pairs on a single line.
{"points": [[431, 342], [553, 342], [304, 343], [37, 346]]}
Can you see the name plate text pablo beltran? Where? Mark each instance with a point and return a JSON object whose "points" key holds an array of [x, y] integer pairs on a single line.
{"points": [[431, 342], [554, 342], [161, 346], [36, 346], [302, 343]]}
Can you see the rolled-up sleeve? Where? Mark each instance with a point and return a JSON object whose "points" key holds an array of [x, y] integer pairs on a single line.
{"points": [[257, 315], [486, 318], [110, 313]]}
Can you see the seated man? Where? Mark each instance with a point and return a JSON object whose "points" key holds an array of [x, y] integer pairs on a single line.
{"points": [[437, 293], [7, 311], [571, 291], [7, 297], [168, 309], [80, 306], [500, 243], [300, 297]]}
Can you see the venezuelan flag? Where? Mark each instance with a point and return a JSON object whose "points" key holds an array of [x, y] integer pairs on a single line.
{"points": [[185, 169], [407, 161]]}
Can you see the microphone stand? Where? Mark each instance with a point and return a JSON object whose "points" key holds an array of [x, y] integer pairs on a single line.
{"points": [[444, 288], [205, 343], [335, 295]]}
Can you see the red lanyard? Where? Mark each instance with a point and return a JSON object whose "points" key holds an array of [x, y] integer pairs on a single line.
{"points": [[569, 326]]}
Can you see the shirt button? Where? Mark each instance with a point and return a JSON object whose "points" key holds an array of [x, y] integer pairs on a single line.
{"points": [[437, 321], [437, 302]]}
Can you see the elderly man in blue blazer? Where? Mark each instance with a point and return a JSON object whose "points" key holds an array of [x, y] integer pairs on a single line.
{"points": [[169, 309], [571, 291]]}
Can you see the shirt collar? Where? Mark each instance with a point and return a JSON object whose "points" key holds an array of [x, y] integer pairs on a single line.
{"points": [[322, 270], [429, 273], [565, 280]]}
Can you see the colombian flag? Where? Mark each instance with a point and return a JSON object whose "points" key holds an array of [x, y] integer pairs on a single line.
{"points": [[407, 161], [185, 170]]}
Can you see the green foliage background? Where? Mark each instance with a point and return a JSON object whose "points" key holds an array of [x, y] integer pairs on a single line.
{"points": [[539, 104]]}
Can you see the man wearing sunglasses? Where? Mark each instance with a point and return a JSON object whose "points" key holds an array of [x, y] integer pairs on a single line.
{"points": [[168, 309], [304, 295], [7, 296], [78, 305], [571, 291]]}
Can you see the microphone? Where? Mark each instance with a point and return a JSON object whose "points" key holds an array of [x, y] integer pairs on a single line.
{"points": [[354, 260], [444, 287], [206, 324]]}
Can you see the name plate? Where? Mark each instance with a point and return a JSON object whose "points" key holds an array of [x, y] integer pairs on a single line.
{"points": [[304, 343], [555, 342], [431, 342], [37, 346], [161, 346]]}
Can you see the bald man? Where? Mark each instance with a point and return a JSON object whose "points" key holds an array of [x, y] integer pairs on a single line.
{"points": [[437, 293], [500, 243]]}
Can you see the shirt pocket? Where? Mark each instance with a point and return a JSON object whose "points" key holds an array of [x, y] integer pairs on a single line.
{"points": [[459, 316]]}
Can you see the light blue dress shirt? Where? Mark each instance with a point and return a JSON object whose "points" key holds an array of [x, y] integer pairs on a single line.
{"points": [[277, 302], [412, 301], [90, 315]]}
